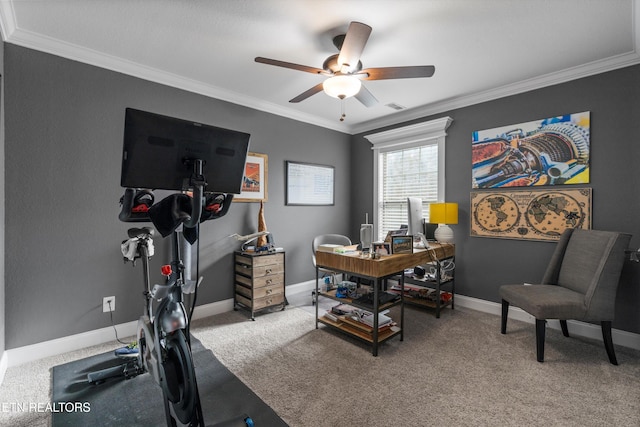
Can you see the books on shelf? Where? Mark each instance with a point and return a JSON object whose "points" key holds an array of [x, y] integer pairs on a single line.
{"points": [[359, 318], [420, 292]]}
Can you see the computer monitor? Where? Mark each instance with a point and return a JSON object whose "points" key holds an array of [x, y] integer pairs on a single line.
{"points": [[159, 153], [414, 211]]}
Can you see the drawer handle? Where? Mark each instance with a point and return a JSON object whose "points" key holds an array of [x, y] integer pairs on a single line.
{"points": [[269, 301], [269, 281], [269, 291], [268, 271]]}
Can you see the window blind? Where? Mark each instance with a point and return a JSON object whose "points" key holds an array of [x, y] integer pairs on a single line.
{"points": [[410, 172]]}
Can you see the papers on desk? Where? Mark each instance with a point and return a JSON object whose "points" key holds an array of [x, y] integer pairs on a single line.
{"points": [[327, 247]]}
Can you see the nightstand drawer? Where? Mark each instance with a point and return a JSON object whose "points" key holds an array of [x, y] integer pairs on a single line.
{"points": [[268, 301], [259, 282], [260, 292], [264, 270]]}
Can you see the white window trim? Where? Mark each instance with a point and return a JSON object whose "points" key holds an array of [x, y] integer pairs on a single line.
{"points": [[431, 132]]}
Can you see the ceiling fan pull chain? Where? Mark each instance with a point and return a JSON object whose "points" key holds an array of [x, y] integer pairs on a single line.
{"points": [[342, 115]]}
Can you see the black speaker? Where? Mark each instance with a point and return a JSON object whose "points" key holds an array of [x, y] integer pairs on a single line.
{"points": [[429, 230]]}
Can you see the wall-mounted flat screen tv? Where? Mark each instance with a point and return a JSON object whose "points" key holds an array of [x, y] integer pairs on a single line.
{"points": [[159, 153]]}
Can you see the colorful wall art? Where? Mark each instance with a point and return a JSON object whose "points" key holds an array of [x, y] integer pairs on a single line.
{"points": [[551, 151], [529, 214]]}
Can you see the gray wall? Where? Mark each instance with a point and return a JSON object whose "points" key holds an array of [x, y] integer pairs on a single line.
{"points": [[64, 126], [483, 264]]}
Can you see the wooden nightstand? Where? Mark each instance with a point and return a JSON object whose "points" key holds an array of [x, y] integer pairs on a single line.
{"points": [[259, 281]]}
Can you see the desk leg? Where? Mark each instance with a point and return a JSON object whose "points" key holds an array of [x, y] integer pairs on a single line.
{"points": [[438, 280], [402, 306], [376, 294], [317, 296]]}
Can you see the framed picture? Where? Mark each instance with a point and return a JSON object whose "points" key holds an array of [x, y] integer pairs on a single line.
{"points": [[382, 248], [309, 184], [402, 244], [554, 151], [537, 214], [254, 182]]}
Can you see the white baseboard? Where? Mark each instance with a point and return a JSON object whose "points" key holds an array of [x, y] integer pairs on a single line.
{"points": [[21, 355], [587, 330], [4, 364], [307, 286]]}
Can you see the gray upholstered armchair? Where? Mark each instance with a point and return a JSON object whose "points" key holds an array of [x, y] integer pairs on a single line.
{"points": [[580, 283]]}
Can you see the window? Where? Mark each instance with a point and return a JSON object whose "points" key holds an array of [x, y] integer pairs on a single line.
{"points": [[408, 162]]}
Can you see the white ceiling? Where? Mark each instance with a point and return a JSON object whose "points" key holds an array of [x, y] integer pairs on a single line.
{"points": [[482, 49]]}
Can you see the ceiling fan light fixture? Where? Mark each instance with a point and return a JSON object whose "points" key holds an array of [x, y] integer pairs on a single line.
{"points": [[342, 86]]}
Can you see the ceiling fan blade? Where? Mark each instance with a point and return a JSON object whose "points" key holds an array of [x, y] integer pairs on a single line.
{"points": [[290, 65], [366, 97], [353, 45], [410, 72], [306, 94]]}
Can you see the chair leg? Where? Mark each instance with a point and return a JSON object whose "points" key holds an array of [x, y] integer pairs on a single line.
{"points": [[608, 342], [540, 329], [565, 330], [505, 313]]}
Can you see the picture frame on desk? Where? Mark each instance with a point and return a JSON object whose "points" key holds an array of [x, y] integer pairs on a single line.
{"points": [[383, 248], [402, 244]]}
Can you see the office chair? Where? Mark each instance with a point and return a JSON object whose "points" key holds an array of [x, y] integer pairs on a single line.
{"points": [[326, 239], [580, 283]]}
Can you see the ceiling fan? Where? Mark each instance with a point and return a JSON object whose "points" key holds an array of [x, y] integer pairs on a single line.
{"points": [[344, 70]]}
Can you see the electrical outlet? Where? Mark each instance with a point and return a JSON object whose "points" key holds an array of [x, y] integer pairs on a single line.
{"points": [[105, 304]]}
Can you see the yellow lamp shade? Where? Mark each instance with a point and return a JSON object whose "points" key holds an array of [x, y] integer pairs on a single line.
{"points": [[443, 213]]}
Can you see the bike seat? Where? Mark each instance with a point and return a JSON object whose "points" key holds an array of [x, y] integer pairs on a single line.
{"points": [[140, 232]]}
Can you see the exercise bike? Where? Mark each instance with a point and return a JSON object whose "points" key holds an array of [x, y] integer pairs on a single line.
{"points": [[163, 330]]}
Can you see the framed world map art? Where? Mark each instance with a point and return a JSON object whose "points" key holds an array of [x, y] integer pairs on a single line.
{"points": [[529, 214]]}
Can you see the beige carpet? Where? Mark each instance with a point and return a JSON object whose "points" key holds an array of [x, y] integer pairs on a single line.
{"points": [[454, 371]]}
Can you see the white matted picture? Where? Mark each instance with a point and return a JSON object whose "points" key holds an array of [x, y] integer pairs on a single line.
{"points": [[309, 184], [254, 182]]}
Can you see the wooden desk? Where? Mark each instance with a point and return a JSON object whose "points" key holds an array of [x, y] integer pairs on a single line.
{"points": [[376, 270]]}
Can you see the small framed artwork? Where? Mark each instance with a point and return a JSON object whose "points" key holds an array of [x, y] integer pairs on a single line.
{"points": [[402, 244], [254, 182], [309, 184], [382, 248]]}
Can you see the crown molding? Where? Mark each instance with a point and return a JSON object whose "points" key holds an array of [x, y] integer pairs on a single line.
{"points": [[12, 34], [574, 73]]}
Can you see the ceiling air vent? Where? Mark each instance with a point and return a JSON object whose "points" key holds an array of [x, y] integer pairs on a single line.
{"points": [[395, 106]]}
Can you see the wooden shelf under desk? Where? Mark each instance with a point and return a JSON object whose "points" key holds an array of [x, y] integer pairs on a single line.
{"points": [[359, 332]]}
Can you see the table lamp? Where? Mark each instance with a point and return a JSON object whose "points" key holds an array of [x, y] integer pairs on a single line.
{"points": [[443, 214]]}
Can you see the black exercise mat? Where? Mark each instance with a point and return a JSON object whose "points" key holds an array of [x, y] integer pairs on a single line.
{"points": [[138, 401]]}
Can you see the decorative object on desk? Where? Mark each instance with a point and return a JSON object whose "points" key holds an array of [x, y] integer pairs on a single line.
{"points": [[529, 214], [443, 214], [402, 244], [262, 226], [309, 184], [254, 183], [383, 248], [366, 235]]}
